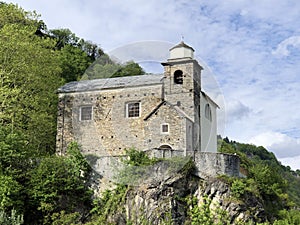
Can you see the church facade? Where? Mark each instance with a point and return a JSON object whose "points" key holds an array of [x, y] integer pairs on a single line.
{"points": [[165, 115], [166, 111]]}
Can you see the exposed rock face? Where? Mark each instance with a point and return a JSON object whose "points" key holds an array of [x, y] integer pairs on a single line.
{"points": [[250, 209], [160, 203], [165, 201]]}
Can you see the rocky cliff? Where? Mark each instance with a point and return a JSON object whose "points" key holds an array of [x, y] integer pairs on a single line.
{"points": [[168, 197]]}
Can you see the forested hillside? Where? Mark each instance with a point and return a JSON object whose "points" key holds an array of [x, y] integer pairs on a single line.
{"points": [[34, 62], [39, 187], [265, 177]]}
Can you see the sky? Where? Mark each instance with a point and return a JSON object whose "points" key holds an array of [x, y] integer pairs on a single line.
{"points": [[250, 49]]}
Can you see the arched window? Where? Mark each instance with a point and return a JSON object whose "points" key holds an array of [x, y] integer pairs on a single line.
{"points": [[178, 77], [165, 147], [208, 112]]}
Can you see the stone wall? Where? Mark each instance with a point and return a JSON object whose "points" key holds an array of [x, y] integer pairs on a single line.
{"points": [[175, 137], [106, 166], [210, 164], [64, 123], [164, 153], [110, 131], [207, 164]]}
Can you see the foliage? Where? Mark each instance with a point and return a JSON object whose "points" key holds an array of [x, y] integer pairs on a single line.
{"points": [[56, 185], [104, 67], [129, 69], [13, 153], [11, 219], [269, 181], [110, 203], [27, 96], [266, 177], [76, 54], [9, 194], [291, 217], [238, 188], [205, 213], [138, 167], [79, 164], [63, 218], [138, 158], [12, 14], [47, 189], [73, 62]]}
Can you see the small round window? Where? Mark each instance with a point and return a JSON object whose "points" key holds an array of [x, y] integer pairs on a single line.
{"points": [[178, 77]]}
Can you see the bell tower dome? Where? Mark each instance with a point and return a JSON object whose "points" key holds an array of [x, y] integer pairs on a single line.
{"points": [[181, 51]]}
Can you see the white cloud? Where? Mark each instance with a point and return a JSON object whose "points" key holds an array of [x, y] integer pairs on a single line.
{"points": [[283, 47], [142, 51], [281, 144], [293, 162], [236, 110]]}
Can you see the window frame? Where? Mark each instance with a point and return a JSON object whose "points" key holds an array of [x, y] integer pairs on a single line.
{"points": [[83, 118], [127, 113], [207, 112], [162, 128]]}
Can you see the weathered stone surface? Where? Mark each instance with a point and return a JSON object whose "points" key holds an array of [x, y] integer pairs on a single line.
{"points": [[162, 201], [251, 209], [162, 100], [213, 164]]}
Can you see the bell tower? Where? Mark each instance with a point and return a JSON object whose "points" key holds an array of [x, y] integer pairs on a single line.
{"points": [[182, 79], [182, 84]]}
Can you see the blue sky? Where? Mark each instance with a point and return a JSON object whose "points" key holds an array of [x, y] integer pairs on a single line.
{"points": [[252, 49]]}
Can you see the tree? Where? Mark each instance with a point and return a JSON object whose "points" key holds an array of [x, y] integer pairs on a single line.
{"points": [[129, 69], [60, 184], [13, 154], [9, 194], [29, 75], [104, 67], [73, 62], [12, 14], [64, 37]]}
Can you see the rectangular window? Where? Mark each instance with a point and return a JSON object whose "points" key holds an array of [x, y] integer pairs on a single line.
{"points": [[86, 113], [165, 128], [133, 109]]}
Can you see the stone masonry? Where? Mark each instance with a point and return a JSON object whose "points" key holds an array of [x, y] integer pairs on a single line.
{"points": [[164, 114]]}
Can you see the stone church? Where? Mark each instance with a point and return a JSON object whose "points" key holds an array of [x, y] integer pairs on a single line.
{"points": [[167, 113]]}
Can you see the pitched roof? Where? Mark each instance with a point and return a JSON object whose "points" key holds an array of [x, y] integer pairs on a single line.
{"points": [[209, 99], [108, 83], [177, 109], [182, 44]]}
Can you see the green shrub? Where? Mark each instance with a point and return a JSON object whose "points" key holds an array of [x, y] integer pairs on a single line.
{"points": [[238, 188]]}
